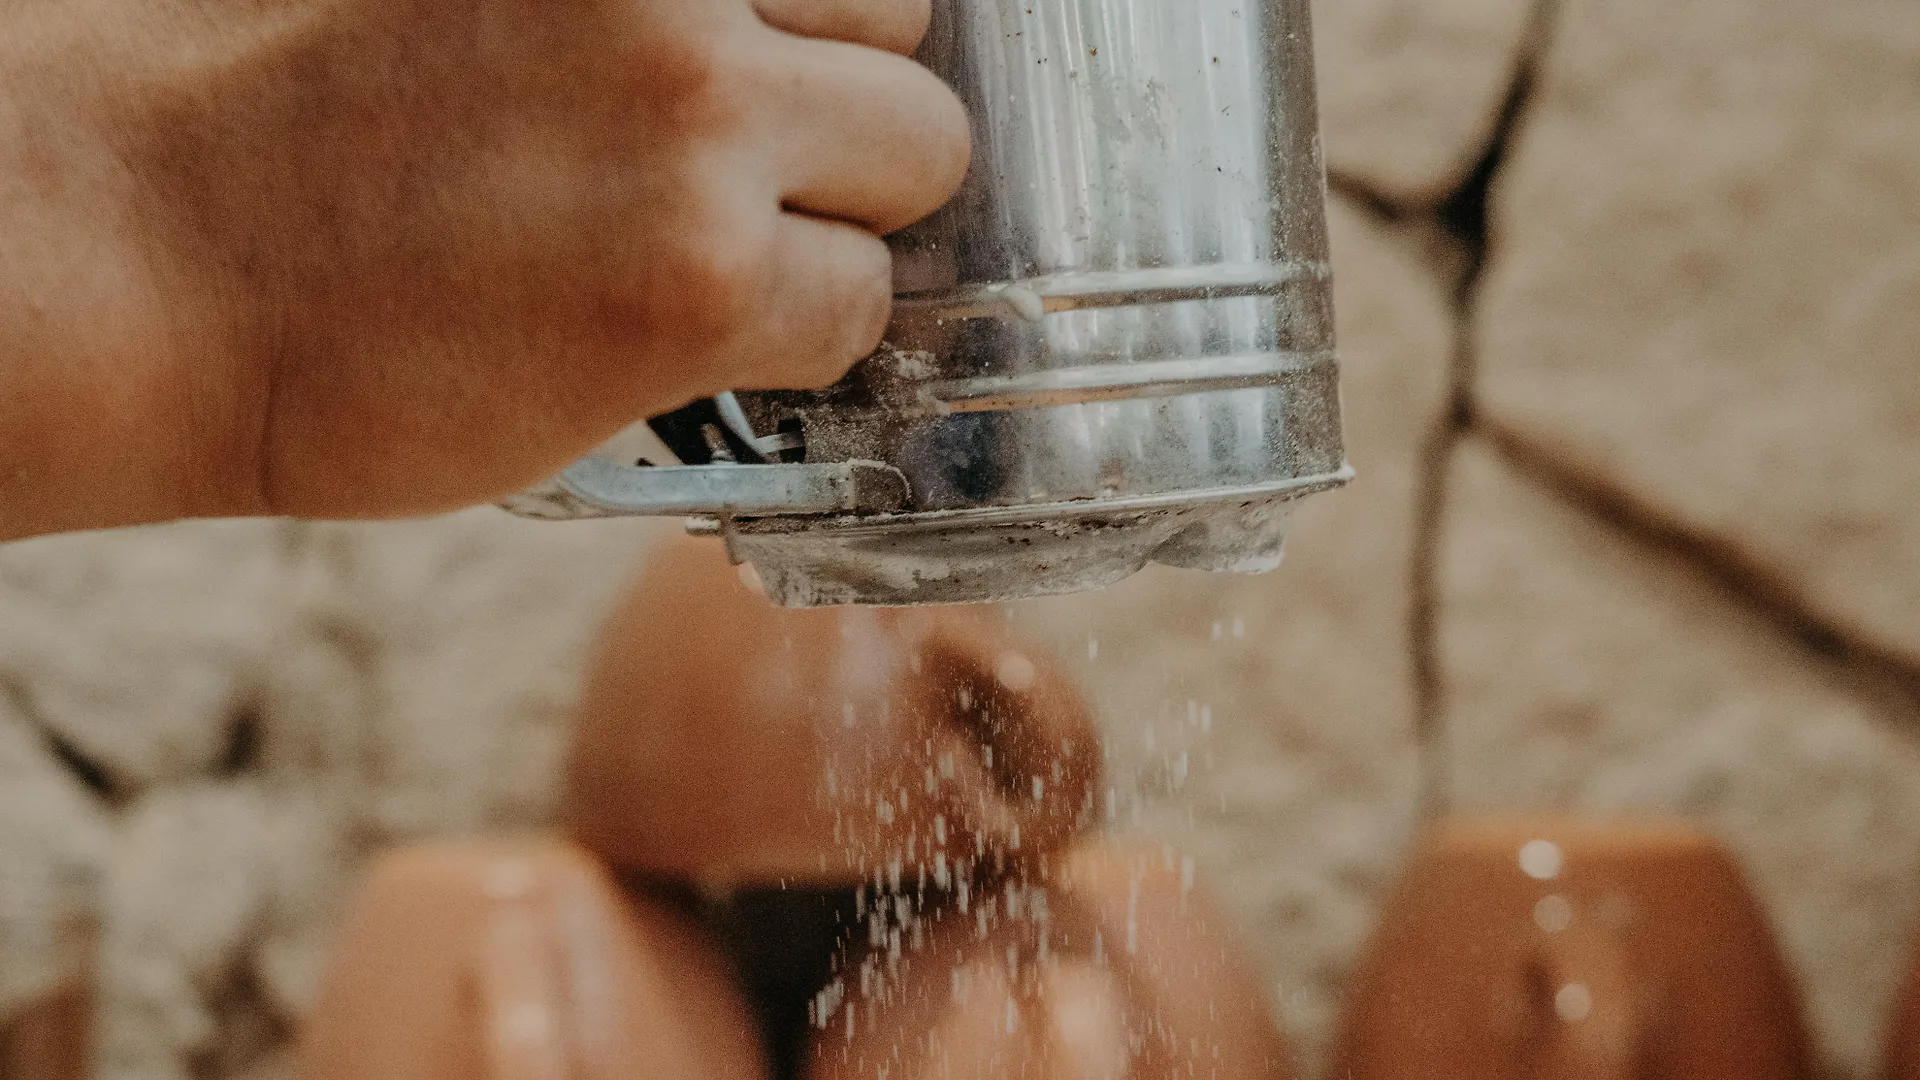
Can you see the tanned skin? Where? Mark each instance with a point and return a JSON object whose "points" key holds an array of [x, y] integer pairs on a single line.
{"points": [[366, 258]]}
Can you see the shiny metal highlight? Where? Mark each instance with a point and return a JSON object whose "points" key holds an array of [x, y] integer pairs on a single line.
{"points": [[1114, 346]]}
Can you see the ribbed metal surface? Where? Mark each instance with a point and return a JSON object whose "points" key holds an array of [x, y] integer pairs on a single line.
{"points": [[1115, 344]]}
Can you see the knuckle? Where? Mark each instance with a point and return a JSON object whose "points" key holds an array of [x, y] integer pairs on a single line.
{"points": [[870, 300], [907, 22], [940, 145], [692, 82], [862, 306], [707, 285], [950, 133], [692, 296]]}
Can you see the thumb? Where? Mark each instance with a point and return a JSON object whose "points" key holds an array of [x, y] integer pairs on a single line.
{"points": [[521, 962]]}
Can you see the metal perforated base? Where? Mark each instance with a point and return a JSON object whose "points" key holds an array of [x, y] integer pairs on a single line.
{"points": [[994, 556]]}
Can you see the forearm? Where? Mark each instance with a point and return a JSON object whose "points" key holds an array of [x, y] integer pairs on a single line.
{"points": [[100, 421]]}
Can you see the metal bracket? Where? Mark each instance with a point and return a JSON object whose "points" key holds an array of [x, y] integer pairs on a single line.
{"points": [[597, 488]]}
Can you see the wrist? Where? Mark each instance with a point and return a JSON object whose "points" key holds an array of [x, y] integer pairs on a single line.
{"points": [[107, 418]]}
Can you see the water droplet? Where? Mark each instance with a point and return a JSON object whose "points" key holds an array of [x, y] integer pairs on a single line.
{"points": [[529, 1024], [1541, 860], [1574, 1002], [1016, 673], [1133, 915], [1553, 913]]}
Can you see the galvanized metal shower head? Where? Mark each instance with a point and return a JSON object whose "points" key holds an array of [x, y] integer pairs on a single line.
{"points": [[1113, 347]]}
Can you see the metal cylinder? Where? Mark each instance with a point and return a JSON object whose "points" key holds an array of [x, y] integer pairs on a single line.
{"points": [[1114, 346]]}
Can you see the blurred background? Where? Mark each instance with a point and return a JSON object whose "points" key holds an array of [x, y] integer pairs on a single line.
{"points": [[1630, 311]]}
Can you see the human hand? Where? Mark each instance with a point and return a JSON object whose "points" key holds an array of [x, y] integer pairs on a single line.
{"points": [[378, 258], [707, 736]]}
